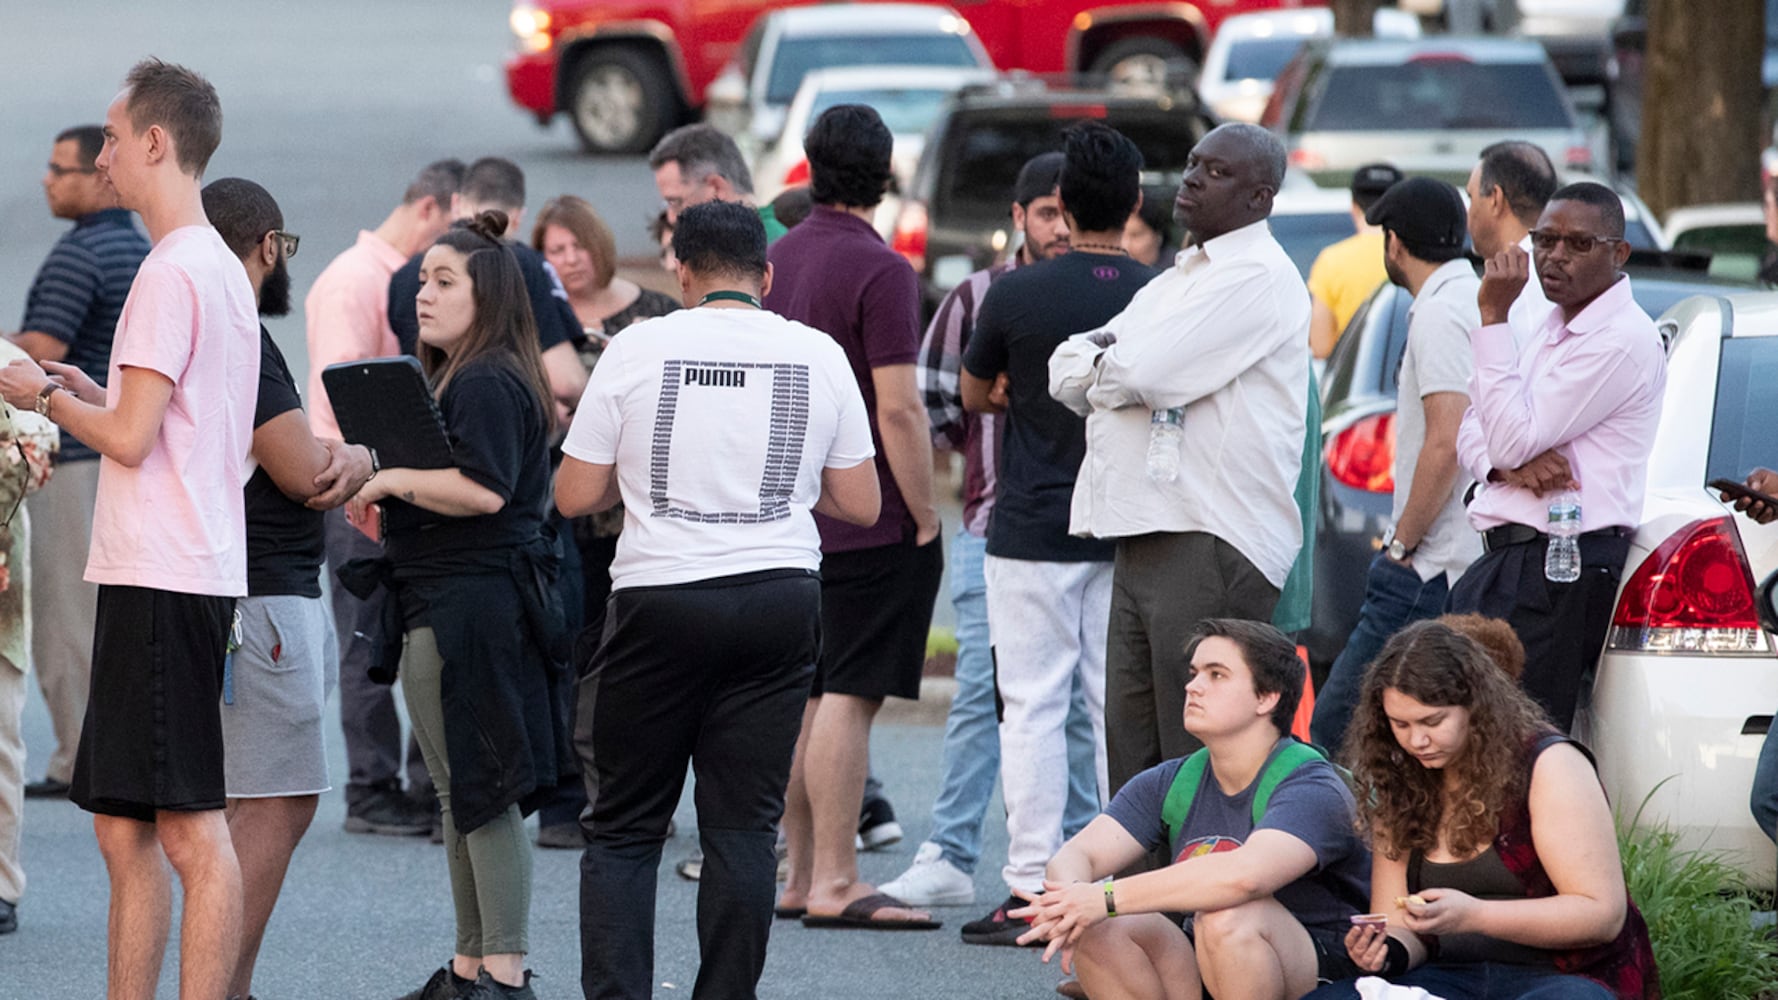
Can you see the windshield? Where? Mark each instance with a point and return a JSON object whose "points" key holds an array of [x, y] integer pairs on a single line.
{"points": [[907, 111], [1746, 399], [797, 56], [1433, 94], [1260, 58]]}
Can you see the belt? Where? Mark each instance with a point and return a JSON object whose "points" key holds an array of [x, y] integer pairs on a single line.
{"points": [[1501, 536]]}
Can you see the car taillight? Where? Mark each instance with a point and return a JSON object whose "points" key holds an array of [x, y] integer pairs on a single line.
{"points": [[1693, 594], [1578, 156], [910, 234], [1307, 159], [1363, 455]]}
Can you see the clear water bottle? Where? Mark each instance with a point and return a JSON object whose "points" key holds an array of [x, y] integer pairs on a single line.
{"points": [[1166, 438], [1561, 562]]}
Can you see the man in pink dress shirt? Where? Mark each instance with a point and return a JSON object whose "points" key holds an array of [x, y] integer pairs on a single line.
{"points": [[1576, 409], [347, 313]]}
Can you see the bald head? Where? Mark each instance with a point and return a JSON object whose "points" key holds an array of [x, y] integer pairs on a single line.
{"points": [[1230, 179]]}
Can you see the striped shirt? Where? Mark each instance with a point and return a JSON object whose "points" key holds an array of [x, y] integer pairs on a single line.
{"points": [[79, 293], [977, 436]]}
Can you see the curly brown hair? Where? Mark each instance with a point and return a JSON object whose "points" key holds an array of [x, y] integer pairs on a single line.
{"points": [[1496, 636], [1408, 807]]}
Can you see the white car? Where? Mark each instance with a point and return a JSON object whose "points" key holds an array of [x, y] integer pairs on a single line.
{"points": [[1734, 235], [1250, 49], [785, 45], [1688, 681], [909, 98]]}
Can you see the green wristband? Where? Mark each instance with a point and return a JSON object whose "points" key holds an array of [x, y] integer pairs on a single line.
{"points": [[1110, 899]]}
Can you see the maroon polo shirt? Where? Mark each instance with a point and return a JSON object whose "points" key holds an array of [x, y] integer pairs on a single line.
{"points": [[834, 273]]}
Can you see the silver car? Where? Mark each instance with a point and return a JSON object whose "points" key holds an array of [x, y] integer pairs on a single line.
{"points": [[1429, 107]]}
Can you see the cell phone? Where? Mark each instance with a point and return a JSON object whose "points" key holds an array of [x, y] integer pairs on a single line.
{"points": [[1743, 491]]}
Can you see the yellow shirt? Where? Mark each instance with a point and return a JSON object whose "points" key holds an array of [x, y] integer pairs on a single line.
{"points": [[1346, 273]]}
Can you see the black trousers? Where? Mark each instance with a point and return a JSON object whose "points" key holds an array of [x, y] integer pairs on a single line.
{"points": [[717, 673], [1562, 625]]}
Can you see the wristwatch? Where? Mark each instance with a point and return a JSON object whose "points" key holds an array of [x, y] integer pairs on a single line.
{"points": [[376, 466], [1392, 545], [49, 389]]}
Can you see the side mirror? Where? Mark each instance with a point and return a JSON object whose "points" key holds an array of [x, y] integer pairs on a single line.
{"points": [[1765, 601]]}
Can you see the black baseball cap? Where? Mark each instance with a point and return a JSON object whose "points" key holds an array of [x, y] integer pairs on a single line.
{"points": [[1038, 177], [1373, 179], [1424, 212]]}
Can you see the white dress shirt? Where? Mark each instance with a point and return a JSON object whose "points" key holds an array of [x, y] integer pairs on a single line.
{"points": [[1223, 333]]}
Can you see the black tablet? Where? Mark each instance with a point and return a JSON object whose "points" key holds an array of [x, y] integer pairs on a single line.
{"points": [[386, 404]]}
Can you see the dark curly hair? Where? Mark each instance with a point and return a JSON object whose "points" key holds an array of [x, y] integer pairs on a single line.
{"points": [[504, 331], [848, 149], [1404, 805]]}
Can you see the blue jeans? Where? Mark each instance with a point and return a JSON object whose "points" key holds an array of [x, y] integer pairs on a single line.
{"points": [[1394, 597], [1483, 981], [1765, 786], [972, 730]]}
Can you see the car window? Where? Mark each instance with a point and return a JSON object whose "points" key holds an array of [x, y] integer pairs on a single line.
{"points": [[1303, 236], [1735, 250], [1366, 360], [797, 56], [1437, 94], [905, 110], [986, 149], [1261, 58], [1744, 429]]}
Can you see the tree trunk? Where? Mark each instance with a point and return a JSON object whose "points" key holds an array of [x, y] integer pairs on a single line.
{"points": [[1352, 18], [1701, 93]]}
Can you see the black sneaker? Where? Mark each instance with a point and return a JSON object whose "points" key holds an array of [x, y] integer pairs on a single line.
{"points": [[444, 985], [382, 808], [877, 827], [998, 928], [9, 917], [487, 988], [48, 788]]}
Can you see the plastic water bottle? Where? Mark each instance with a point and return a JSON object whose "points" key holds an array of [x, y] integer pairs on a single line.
{"points": [[1166, 438], [1561, 562]]}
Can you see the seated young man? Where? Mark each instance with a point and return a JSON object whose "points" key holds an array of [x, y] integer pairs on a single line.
{"points": [[1267, 888]]}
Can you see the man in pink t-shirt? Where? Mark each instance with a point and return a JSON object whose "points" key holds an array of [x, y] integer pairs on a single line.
{"points": [[169, 547]]}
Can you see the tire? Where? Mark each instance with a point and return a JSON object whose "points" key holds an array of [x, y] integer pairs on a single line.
{"points": [[1145, 62], [621, 101]]}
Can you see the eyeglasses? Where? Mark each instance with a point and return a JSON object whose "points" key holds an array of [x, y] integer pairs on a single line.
{"points": [[288, 241], [1578, 244], [58, 171]]}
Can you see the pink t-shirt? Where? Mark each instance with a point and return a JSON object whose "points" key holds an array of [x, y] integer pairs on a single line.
{"points": [[348, 318], [178, 521]]}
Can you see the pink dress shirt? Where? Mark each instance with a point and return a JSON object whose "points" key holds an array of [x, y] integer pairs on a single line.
{"points": [[1591, 388], [347, 313]]}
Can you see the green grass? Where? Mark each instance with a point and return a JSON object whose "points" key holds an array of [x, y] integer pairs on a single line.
{"points": [[941, 640], [1700, 919]]}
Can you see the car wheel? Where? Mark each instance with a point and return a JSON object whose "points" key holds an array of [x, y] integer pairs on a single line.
{"points": [[619, 101], [1144, 63]]}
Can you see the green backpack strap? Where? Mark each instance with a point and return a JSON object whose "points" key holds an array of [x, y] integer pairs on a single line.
{"points": [[1182, 792], [1184, 789]]}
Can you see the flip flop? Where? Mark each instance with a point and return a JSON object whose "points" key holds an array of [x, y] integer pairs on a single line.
{"points": [[789, 912], [860, 915]]}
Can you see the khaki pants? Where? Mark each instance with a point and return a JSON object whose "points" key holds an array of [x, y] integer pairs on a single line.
{"points": [[63, 603]]}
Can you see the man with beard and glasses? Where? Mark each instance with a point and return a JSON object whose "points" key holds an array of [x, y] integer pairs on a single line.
{"points": [[943, 870], [276, 683], [1574, 410]]}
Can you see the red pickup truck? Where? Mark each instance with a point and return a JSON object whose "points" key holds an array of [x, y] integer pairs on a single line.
{"points": [[626, 71]]}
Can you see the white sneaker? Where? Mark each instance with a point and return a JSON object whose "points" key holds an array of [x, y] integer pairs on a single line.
{"points": [[932, 881]]}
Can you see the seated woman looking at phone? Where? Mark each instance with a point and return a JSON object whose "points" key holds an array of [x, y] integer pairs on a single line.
{"points": [[1495, 870]]}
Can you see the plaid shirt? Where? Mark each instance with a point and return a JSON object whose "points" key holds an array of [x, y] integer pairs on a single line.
{"points": [[977, 436]]}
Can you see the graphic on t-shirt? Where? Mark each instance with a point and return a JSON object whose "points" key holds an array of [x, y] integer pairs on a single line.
{"points": [[1201, 846], [777, 423]]}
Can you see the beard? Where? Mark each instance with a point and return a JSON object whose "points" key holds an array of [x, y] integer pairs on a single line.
{"points": [[274, 292]]}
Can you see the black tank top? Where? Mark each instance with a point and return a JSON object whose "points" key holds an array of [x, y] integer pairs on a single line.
{"points": [[1484, 876]]}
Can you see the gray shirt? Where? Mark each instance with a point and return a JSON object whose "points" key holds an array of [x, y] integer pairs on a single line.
{"points": [[1437, 359]]}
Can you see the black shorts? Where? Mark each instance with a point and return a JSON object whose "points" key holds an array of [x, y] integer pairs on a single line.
{"points": [[876, 609], [152, 738]]}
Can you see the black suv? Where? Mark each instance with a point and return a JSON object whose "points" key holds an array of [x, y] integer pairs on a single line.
{"points": [[956, 216]]}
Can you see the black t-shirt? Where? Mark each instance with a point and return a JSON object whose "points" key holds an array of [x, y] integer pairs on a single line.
{"points": [[1024, 316], [498, 439], [285, 540], [556, 321]]}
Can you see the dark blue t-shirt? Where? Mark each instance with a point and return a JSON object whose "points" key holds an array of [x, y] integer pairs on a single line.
{"points": [[1312, 804], [555, 318], [1023, 318], [79, 293]]}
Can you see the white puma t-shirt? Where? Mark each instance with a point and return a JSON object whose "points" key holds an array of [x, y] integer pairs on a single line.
{"points": [[719, 422]]}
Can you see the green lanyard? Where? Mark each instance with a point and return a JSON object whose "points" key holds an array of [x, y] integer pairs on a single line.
{"points": [[730, 296]]}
